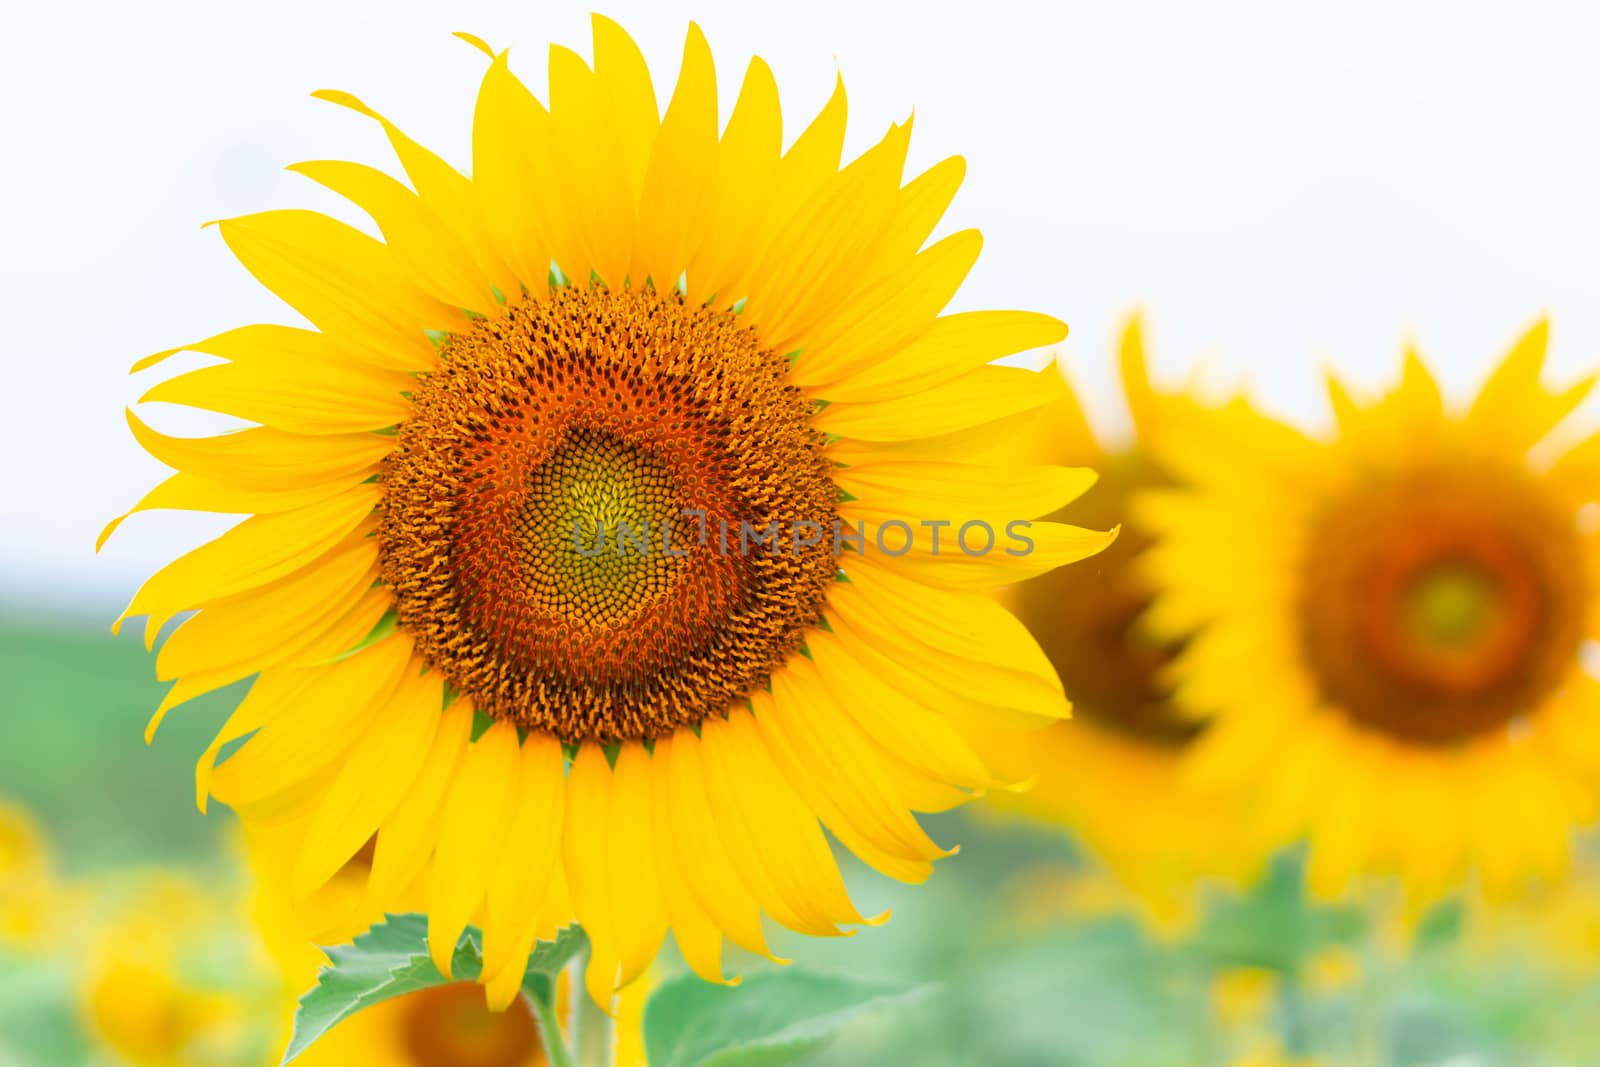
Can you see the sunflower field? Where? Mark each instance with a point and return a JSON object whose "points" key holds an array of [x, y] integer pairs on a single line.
{"points": [[621, 574]]}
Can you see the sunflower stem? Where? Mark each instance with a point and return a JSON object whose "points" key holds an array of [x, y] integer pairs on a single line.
{"points": [[590, 1025], [556, 1053], [1292, 1011]]}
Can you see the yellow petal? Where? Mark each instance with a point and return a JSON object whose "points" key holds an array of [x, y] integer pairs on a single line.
{"points": [[272, 624], [641, 919], [283, 399], [265, 458], [510, 168], [681, 168], [772, 830], [422, 243], [966, 625], [270, 695], [814, 260], [747, 160], [958, 493], [719, 887], [443, 188], [370, 785], [408, 836], [591, 175], [976, 397], [698, 937], [911, 733], [329, 718], [1021, 551], [472, 834], [345, 282], [316, 647], [622, 75], [860, 827], [522, 881], [891, 314], [289, 379], [583, 852], [812, 159], [921, 204], [255, 553], [187, 492], [1514, 408], [952, 346], [855, 770]]}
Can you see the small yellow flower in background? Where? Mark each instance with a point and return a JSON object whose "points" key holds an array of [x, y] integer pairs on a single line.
{"points": [[1112, 774], [1272, 1054], [1384, 628], [29, 895], [169, 981], [619, 318], [1044, 895], [1331, 971], [1243, 997]]}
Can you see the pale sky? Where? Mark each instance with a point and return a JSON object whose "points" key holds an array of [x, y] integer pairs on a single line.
{"points": [[1280, 189]]}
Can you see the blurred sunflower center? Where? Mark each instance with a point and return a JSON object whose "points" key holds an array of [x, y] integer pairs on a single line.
{"points": [[562, 514], [1087, 620], [450, 1026], [1442, 604]]}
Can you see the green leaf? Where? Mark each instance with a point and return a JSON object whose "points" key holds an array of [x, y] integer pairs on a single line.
{"points": [[775, 1017], [1275, 924], [549, 959], [391, 960], [1441, 927]]}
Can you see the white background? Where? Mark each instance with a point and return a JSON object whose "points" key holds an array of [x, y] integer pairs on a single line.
{"points": [[1281, 186]]}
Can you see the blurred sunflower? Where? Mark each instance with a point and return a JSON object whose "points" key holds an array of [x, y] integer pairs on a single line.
{"points": [[1555, 926], [170, 982], [620, 318], [444, 1026], [1113, 774], [29, 895], [1385, 628]]}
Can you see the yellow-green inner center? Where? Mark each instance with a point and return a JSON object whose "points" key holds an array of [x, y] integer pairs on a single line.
{"points": [[1451, 605], [592, 525]]}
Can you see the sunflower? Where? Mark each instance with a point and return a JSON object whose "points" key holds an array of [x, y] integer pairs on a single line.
{"points": [[593, 548], [1385, 627], [1113, 775]]}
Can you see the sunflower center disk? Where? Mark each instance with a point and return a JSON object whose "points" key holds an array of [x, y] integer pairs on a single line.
{"points": [[562, 514], [450, 1026], [1087, 620], [1442, 605]]}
